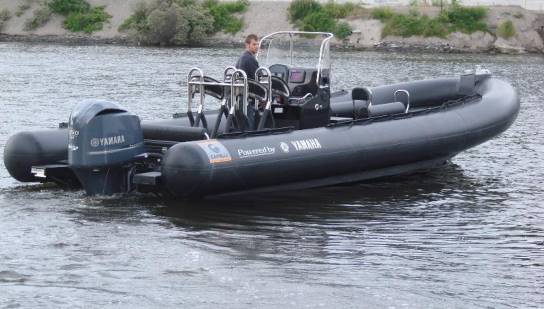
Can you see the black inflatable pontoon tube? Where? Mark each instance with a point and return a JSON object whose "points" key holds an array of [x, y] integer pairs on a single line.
{"points": [[173, 133]]}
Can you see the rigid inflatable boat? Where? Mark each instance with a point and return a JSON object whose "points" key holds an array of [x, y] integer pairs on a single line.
{"points": [[300, 136]]}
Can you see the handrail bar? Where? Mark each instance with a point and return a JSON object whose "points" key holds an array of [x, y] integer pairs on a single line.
{"points": [[190, 76], [227, 73], [235, 104], [267, 83], [407, 98]]}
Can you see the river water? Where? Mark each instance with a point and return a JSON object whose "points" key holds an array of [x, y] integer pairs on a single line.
{"points": [[470, 234]]}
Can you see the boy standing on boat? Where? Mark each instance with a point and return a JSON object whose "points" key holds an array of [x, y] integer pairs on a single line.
{"points": [[248, 63]]}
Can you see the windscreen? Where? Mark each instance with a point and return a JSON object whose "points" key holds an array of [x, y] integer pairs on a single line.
{"points": [[295, 49]]}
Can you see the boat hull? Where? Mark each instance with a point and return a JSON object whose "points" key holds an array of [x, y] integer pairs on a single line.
{"points": [[344, 151], [340, 153]]}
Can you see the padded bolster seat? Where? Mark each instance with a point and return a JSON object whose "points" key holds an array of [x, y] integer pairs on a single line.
{"points": [[215, 91], [172, 132], [386, 109], [256, 90]]}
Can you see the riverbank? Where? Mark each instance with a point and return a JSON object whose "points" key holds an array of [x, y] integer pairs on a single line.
{"points": [[267, 16]]}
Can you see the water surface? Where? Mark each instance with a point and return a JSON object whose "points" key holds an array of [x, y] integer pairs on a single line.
{"points": [[466, 235]]}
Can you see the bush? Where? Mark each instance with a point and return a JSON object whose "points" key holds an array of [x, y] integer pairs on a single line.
{"points": [[138, 20], [318, 21], [222, 15], [65, 7], [5, 15], [163, 24], [455, 18], [22, 8], [299, 9], [40, 17], [194, 25], [169, 23], [465, 19], [338, 10], [382, 13], [343, 30], [309, 15], [80, 16], [88, 21], [506, 29]]}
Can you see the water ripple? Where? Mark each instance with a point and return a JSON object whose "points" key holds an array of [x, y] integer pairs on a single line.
{"points": [[468, 234]]}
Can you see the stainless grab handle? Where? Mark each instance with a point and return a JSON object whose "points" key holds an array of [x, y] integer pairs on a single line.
{"points": [[407, 98]]}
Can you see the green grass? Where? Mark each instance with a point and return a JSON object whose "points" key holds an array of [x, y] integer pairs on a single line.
{"points": [[318, 21], [87, 21], [39, 18], [66, 7], [178, 22], [454, 18], [22, 8], [298, 9], [342, 30], [410, 25], [80, 16], [382, 13], [138, 19], [465, 19], [506, 29], [5, 15], [337, 10], [222, 13], [310, 15]]}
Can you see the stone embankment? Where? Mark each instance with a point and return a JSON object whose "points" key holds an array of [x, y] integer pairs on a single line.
{"points": [[264, 17]]}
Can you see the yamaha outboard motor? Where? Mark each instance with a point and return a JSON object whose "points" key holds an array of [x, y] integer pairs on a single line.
{"points": [[104, 140]]}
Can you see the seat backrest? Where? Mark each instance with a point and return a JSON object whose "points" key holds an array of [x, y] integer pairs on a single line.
{"points": [[256, 90], [361, 94], [391, 108], [280, 87], [215, 91]]}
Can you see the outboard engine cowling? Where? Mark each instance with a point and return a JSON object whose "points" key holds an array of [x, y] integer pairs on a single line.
{"points": [[104, 140]]}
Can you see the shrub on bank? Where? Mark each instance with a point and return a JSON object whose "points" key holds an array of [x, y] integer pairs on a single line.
{"points": [[39, 18], [382, 13], [222, 12], [309, 15], [86, 21], [298, 9], [465, 19], [166, 22], [79, 15], [506, 29], [22, 8], [5, 15], [454, 18], [336, 10], [65, 7], [318, 21]]}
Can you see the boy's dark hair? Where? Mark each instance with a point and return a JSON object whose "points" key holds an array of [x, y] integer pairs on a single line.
{"points": [[251, 37]]}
